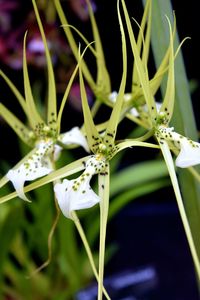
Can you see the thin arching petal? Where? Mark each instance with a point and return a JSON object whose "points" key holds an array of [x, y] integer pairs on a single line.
{"points": [[115, 115], [26, 135], [52, 104]]}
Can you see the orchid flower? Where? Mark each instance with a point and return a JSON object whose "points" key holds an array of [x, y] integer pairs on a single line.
{"points": [[42, 136], [168, 139], [77, 193]]}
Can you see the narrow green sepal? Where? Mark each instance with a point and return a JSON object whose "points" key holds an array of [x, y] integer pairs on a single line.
{"points": [[52, 102], [26, 135]]}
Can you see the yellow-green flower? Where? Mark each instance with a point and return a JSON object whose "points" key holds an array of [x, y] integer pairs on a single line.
{"points": [[42, 135]]}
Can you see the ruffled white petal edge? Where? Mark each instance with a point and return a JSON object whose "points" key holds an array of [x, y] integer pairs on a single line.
{"points": [[77, 193], [74, 136], [189, 154], [71, 198], [35, 167]]}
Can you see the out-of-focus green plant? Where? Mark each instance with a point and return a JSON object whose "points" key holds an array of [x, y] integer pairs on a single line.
{"points": [[28, 242]]}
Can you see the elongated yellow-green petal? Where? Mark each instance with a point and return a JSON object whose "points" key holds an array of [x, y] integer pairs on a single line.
{"points": [[170, 165], [115, 115], [103, 79], [142, 70], [87, 249], [73, 44], [168, 102], [155, 82], [33, 115], [21, 130], [146, 17], [104, 187], [64, 99], [15, 91], [83, 38], [134, 143], [68, 170], [52, 103], [92, 134]]}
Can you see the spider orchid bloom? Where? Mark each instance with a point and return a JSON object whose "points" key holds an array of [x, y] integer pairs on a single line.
{"points": [[77, 194], [189, 154], [102, 87], [37, 165], [41, 135], [159, 121]]}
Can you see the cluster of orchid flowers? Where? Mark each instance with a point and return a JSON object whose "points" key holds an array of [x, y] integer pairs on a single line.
{"points": [[46, 141]]}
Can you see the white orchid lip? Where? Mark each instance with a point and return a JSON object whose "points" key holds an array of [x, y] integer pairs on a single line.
{"points": [[36, 166], [189, 154], [77, 193], [73, 136]]}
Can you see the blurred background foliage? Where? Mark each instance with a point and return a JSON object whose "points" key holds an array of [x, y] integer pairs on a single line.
{"points": [[139, 183]]}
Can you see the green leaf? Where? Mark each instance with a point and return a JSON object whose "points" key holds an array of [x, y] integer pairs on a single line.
{"points": [[137, 175], [126, 196]]}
